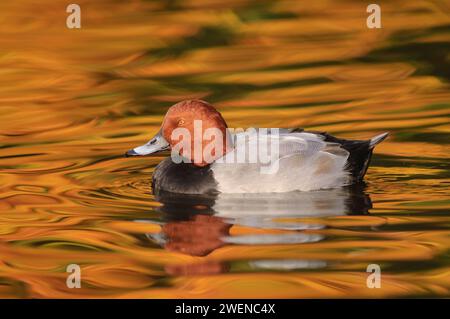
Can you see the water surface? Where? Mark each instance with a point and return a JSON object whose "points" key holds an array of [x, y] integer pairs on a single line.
{"points": [[72, 101]]}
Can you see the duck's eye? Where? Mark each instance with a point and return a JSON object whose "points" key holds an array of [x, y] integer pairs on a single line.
{"points": [[181, 122]]}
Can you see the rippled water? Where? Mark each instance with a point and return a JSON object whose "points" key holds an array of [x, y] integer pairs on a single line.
{"points": [[72, 101]]}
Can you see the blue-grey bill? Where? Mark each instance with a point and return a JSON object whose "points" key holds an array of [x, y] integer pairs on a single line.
{"points": [[157, 144]]}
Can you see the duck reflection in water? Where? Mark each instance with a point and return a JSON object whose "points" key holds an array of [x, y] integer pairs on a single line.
{"points": [[198, 225]]}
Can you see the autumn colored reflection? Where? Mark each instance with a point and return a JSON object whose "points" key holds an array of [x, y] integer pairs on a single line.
{"points": [[197, 225], [197, 237]]}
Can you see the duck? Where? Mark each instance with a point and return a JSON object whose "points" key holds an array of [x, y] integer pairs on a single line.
{"points": [[207, 157]]}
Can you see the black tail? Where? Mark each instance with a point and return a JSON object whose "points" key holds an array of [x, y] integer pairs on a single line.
{"points": [[360, 153]]}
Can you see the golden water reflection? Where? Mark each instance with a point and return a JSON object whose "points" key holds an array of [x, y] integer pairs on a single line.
{"points": [[72, 101]]}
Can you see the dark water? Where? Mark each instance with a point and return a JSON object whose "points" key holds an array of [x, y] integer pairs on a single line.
{"points": [[72, 101]]}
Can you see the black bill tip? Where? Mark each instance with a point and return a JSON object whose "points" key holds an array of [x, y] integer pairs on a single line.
{"points": [[131, 153]]}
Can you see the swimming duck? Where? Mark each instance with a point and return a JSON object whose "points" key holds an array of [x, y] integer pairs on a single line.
{"points": [[299, 160]]}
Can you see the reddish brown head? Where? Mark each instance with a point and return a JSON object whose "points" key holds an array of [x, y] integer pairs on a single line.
{"points": [[194, 129], [198, 117]]}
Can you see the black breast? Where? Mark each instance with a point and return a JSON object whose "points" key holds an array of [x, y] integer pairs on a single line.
{"points": [[184, 178]]}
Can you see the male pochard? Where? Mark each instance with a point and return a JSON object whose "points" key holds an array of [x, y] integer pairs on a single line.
{"points": [[305, 161]]}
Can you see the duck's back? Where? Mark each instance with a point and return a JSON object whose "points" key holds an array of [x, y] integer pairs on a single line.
{"points": [[286, 161]]}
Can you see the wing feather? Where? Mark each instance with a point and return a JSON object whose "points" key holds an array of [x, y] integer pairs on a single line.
{"points": [[294, 161]]}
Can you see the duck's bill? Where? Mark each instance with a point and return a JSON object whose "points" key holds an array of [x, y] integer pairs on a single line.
{"points": [[157, 144]]}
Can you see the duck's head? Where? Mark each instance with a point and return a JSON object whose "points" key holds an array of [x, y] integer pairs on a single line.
{"points": [[193, 129]]}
